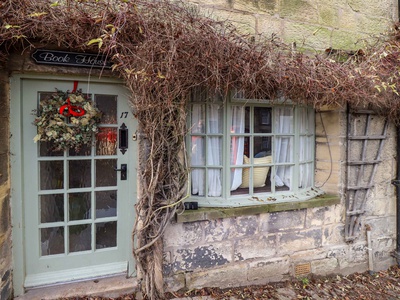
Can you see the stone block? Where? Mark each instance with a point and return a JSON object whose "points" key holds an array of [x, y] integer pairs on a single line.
{"points": [[263, 271], [334, 214], [358, 253], [217, 4], [299, 10], [307, 36], [244, 22], [333, 235], [256, 6], [347, 40], [175, 282], [315, 216], [307, 255], [291, 242], [288, 220], [243, 226], [325, 266], [216, 230], [201, 257], [255, 247], [270, 25], [222, 277], [382, 227], [180, 234]]}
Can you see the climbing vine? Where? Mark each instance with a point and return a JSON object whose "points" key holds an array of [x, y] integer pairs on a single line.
{"points": [[163, 50]]}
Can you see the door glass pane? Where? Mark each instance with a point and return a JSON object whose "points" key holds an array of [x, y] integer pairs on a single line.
{"points": [[52, 240], [106, 204], [107, 104], [51, 175], [105, 174], [106, 141], [51, 208], [84, 151], [79, 173], [106, 235], [80, 238], [45, 149], [79, 206]]}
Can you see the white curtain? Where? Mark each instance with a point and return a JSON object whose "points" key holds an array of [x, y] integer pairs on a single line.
{"points": [[305, 147], [214, 151], [198, 155], [237, 145], [283, 146]]}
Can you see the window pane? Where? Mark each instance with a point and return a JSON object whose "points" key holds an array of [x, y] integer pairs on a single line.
{"points": [[306, 148], [79, 173], [106, 235], [283, 120], [51, 208], [237, 185], [215, 118], [105, 173], [283, 149], [262, 146], [106, 204], [80, 238], [84, 151], [79, 206], [214, 151], [198, 118], [46, 149], [107, 104], [198, 182], [306, 120], [52, 240], [305, 175], [262, 120], [106, 141], [51, 175], [198, 157], [283, 178], [214, 182]]}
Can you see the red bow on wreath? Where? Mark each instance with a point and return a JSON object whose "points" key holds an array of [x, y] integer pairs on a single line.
{"points": [[69, 110]]}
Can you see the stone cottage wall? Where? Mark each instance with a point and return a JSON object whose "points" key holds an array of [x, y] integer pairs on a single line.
{"points": [[270, 247], [5, 217], [267, 247], [313, 25]]}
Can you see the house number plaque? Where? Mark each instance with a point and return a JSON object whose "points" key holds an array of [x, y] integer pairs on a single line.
{"points": [[72, 59]]}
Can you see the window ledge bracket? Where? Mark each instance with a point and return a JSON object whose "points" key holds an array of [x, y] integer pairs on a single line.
{"points": [[213, 213]]}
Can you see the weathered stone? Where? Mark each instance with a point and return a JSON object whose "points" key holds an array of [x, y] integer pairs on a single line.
{"points": [[175, 282], [183, 234], [268, 270], [216, 230], [324, 266], [243, 226], [315, 216], [300, 240], [223, 277], [205, 256], [255, 247], [284, 221]]}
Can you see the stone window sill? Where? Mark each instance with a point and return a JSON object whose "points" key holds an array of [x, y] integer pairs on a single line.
{"points": [[212, 213]]}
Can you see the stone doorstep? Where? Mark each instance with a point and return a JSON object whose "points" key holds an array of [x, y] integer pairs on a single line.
{"points": [[114, 286]]}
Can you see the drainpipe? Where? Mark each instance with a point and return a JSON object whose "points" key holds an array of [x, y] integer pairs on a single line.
{"points": [[396, 182]]}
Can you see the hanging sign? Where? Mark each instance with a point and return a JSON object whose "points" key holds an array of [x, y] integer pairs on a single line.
{"points": [[72, 59]]}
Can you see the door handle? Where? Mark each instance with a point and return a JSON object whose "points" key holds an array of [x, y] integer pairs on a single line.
{"points": [[124, 168]]}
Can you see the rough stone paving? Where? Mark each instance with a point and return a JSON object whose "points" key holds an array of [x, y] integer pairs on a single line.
{"points": [[367, 285]]}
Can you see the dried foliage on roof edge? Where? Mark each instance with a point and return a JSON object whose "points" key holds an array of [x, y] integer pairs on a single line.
{"points": [[163, 51]]}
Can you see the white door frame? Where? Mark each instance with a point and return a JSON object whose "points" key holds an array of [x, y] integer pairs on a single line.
{"points": [[16, 169]]}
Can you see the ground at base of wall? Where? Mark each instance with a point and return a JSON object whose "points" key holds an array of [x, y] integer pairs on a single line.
{"points": [[371, 286]]}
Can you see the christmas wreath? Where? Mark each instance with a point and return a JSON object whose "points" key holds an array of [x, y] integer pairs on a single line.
{"points": [[68, 120]]}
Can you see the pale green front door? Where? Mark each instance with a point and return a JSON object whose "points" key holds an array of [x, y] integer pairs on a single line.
{"points": [[77, 210]]}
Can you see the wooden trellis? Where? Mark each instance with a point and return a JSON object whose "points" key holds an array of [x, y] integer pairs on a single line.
{"points": [[366, 134]]}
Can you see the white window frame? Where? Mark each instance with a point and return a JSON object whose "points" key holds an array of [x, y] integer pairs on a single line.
{"points": [[251, 199]]}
